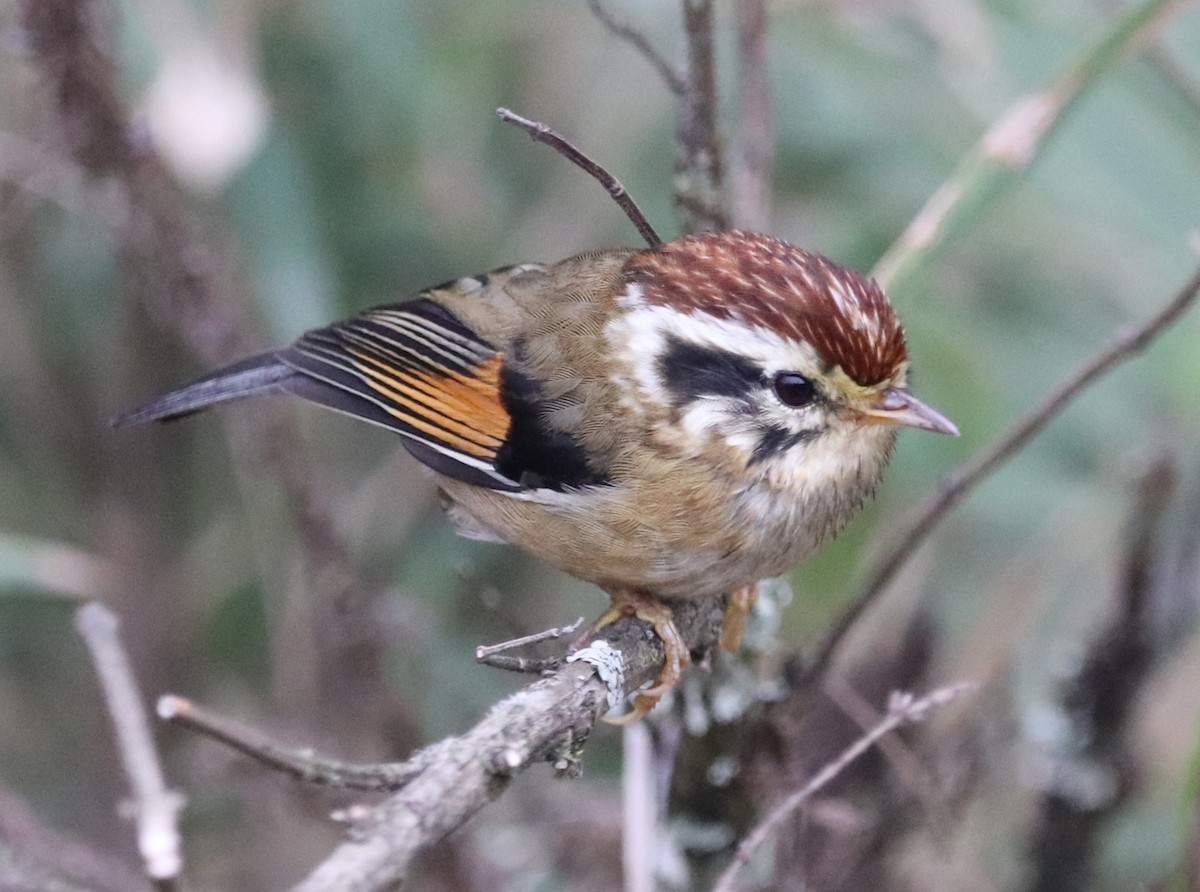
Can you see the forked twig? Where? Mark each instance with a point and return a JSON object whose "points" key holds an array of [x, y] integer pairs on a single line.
{"points": [[954, 487], [903, 709], [539, 132], [698, 167], [494, 654]]}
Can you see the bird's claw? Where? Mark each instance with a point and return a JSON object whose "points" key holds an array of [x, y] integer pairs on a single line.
{"points": [[675, 652], [733, 626]]}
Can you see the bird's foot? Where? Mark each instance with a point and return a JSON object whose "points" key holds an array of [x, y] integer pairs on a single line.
{"points": [[733, 626], [675, 653]]}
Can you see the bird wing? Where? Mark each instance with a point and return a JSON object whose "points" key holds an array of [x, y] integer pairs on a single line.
{"points": [[416, 369], [460, 402]]}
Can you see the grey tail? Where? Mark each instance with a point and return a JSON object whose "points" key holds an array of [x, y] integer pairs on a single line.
{"points": [[250, 377]]}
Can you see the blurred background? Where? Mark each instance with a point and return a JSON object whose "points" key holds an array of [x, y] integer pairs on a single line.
{"points": [[293, 569]]}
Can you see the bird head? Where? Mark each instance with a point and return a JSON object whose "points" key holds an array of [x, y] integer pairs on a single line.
{"points": [[770, 360]]}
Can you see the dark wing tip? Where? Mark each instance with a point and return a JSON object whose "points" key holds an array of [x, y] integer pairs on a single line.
{"points": [[248, 377], [162, 409]]}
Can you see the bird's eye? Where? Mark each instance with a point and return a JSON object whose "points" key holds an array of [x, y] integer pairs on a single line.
{"points": [[794, 390]]}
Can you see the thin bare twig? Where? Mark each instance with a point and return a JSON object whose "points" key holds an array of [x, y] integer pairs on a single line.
{"points": [[755, 134], [483, 651], [954, 487], [539, 132], [903, 709], [522, 665], [302, 764], [670, 74], [154, 807]]}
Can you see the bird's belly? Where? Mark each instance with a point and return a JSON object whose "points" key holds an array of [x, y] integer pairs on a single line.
{"points": [[702, 551]]}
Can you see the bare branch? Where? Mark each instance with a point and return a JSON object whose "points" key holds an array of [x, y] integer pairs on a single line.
{"points": [[302, 764], [541, 133], [903, 709], [954, 487], [698, 169], [755, 132], [154, 807], [547, 721], [670, 74]]}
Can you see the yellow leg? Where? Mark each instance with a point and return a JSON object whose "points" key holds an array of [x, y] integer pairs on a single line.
{"points": [[675, 653], [733, 626]]}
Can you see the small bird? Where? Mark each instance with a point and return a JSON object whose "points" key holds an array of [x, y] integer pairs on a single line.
{"points": [[672, 422]]}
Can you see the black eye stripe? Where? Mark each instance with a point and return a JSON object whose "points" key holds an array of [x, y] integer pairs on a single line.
{"points": [[691, 371], [778, 440]]}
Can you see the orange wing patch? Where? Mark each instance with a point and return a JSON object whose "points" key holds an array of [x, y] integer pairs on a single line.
{"points": [[463, 411]]}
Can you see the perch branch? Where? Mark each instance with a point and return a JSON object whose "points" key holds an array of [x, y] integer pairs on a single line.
{"points": [[903, 709], [546, 721], [154, 807], [954, 487], [539, 132]]}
